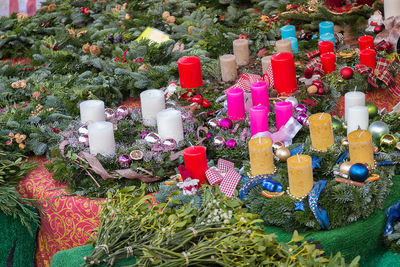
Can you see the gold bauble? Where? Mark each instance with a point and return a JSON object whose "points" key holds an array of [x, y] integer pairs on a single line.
{"points": [[312, 89], [344, 141], [282, 154], [86, 48], [345, 167], [277, 145], [170, 20], [165, 15], [94, 50]]}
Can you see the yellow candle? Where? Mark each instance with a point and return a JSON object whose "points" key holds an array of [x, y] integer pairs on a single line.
{"points": [[360, 147], [261, 159], [321, 131], [300, 175]]}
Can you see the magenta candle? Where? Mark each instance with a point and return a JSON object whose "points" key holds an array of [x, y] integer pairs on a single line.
{"points": [[259, 94], [366, 41], [283, 112], [258, 119], [325, 47], [328, 61], [368, 58], [235, 99]]}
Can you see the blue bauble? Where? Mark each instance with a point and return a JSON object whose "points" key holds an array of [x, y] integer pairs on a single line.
{"points": [[358, 172], [272, 186]]}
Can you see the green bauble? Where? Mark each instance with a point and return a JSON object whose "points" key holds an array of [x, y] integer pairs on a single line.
{"points": [[336, 125], [372, 109], [378, 129], [388, 143]]}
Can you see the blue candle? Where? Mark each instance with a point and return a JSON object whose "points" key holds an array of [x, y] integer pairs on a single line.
{"points": [[326, 27], [294, 44], [327, 37], [288, 31]]}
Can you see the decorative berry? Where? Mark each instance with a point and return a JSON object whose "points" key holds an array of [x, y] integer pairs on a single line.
{"points": [[86, 48], [55, 47], [206, 103]]}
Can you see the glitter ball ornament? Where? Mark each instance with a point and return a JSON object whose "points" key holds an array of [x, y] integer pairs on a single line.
{"points": [[372, 109], [136, 155], [219, 141], [226, 123], [124, 161], [300, 108], [170, 143], [344, 168], [388, 142], [302, 118], [122, 111], [277, 145], [109, 113], [358, 172], [231, 143], [292, 100], [213, 123], [152, 138], [282, 154], [378, 129], [347, 73]]}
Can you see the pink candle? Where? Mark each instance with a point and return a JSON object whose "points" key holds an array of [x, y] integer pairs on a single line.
{"points": [[284, 73], [366, 41], [328, 62], [368, 58], [283, 112], [325, 47], [258, 119], [259, 94], [235, 98]]}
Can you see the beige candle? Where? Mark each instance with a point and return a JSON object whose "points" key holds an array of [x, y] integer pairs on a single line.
{"points": [[241, 51], [283, 46], [228, 68], [261, 158], [265, 62], [300, 175], [360, 147], [321, 131]]}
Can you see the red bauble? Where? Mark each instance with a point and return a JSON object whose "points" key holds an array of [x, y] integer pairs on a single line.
{"points": [[320, 91], [347, 73], [334, 3], [378, 29], [206, 103], [197, 99], [308, 73], [318, 84]]}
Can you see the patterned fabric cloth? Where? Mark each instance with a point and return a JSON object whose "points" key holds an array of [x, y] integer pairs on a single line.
{"points": [[316, 64], [7, 7]]}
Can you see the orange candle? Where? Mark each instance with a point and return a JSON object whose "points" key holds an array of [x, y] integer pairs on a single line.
{"points": [[300, 175], [261, 158], [360, 147], [321, 131]]}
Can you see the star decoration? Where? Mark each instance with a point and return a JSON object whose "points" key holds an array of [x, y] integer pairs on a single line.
{"points": [[316, 162], [299, 206], [309, 102]]}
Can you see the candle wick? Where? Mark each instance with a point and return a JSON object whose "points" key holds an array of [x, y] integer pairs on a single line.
{"points": [[355, 88], [320, 117], [361, 134], [298, 158], [259, 140]]}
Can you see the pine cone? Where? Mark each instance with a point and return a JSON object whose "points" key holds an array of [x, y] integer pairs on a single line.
{"points": [[171, 19], [86, 48], [165, 15], [95, 50]]}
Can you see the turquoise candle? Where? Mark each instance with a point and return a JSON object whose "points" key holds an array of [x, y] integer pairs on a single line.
{"points": [[327, 37], [288, 31], [294, 44], [326, 27]]}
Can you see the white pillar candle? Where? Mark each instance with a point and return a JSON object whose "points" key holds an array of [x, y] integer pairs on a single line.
{"points": [[169, 124], [391, 8], [101, 138], [151, 101], [265, 63], [358, 118], [351, 99], [241, 51], [228, 68], [92, 110]]}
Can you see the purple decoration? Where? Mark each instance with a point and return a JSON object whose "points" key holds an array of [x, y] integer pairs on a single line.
{"points": [[208, 135], [122, 112], [226, 123], [300, 108], [84, 139], [152, 138], [144, 134], [109, 113], [302, 118], [231, 143], [124, 160], [83, 130]]}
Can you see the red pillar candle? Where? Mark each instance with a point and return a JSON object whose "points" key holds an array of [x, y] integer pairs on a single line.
{"points": [[196, 162], [284, 73], [190, 72], [366, 41], [328, 61], [368, 58], [325, 47]]}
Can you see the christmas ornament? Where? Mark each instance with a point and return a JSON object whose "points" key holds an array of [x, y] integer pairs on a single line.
{"points": [[312, 89], [282, 154], [372, 109], [170, 19], [320, 91], [219, 141], [272, 186], [300, 108], [124, 161], [345, 167], [122, 112], [226, 123], [86, 48], [388, 142], [84, 139], [165, 15], [94, 50], [308, 73], [292, 100], [277, 145], [378, 29], [213, 123], [231, 143], [83, 130], [136, 155], [197, 99], [302, 118], [206, 103], [318, 84], [378, 129], [170, 144], [347, 73], [358, 172], [336, 125], [375, 20], [152, 138], [109, 113], [344, 141]]}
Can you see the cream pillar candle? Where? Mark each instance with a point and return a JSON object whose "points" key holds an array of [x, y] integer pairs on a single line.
{"points": [[261, 158], [151, 101], [283, 46], [228, 68], [360, 147], [101, 138], [300, 175], [241, 51], [358, 118], [265, 63], [391, 8], [92, 110], [321, 131], [169, 124], [354, 98]]}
